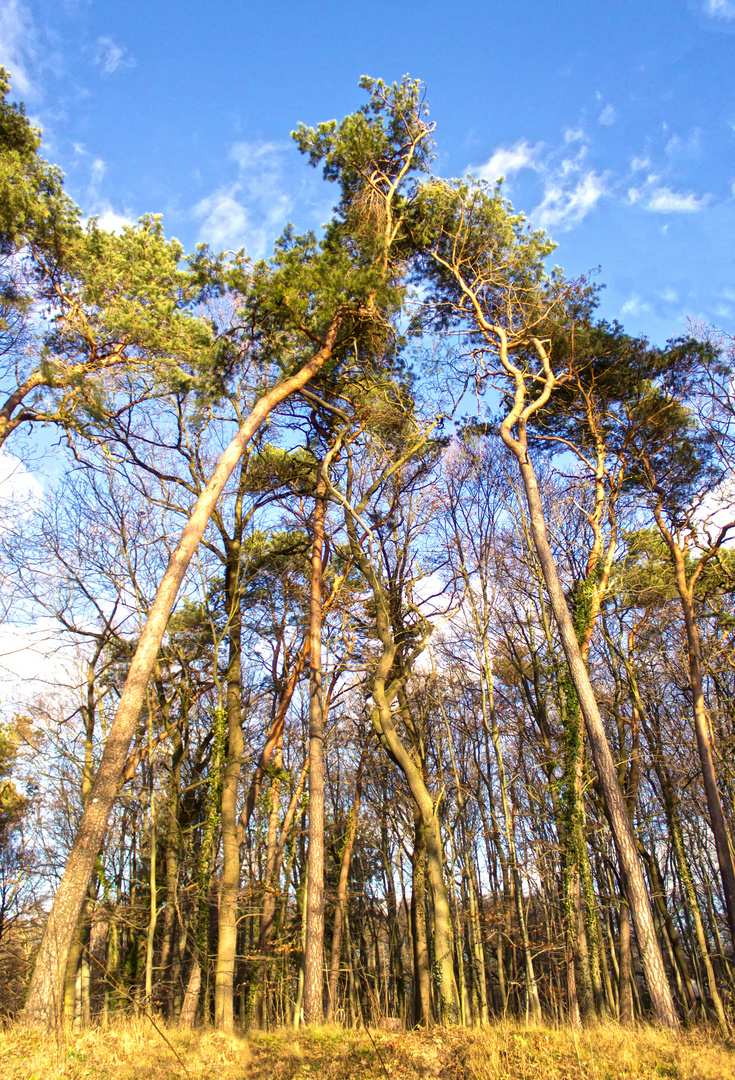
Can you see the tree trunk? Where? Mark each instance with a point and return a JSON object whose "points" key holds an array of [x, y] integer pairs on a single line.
{"points": [[224, 981], [342, 889], [702, 731], [635, 887], [532, 997], [189, 1007], [45, 993], [422, 1016], [173, 854], [314, 949]]}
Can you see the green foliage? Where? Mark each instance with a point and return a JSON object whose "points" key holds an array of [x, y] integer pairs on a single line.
{"points": [[359, 265], [33, 206], [479, 254], [368, 150], [84, 313], [645, 578], [132, 293], [13, 804], [636, 401]]}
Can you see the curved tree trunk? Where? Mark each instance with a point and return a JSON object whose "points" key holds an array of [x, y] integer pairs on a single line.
{"points": [[45, 993]]}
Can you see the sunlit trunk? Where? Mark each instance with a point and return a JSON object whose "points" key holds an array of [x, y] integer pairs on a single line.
{"points": [[314, 947]]}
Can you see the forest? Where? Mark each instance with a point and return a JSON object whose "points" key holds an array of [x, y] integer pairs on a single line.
{"points": [[395, 595]]}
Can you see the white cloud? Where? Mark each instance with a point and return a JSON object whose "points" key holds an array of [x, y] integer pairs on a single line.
{"points": [[508, 160], [563, 207], [689, 147], [110, 220], [34, 659], [224, 220], [635, 306], [570, 189], [665, 201], [661, 199], [98, 170], [251, 211], [111, 57], [720, 9], [17, 44], [637, 164], [18, 486], [256, 157]]}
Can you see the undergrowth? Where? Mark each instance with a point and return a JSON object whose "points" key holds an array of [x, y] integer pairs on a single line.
{"points": [[134, 1050]]}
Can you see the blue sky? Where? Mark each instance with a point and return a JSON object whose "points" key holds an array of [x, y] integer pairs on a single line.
{"points": [[613, 123]]}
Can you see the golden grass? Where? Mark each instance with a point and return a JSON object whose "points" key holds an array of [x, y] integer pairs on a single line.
{"points": [[133, 1050], [126, 1050]]}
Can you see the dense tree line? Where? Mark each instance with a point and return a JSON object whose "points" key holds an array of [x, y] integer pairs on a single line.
{"points": [[401, 608]]}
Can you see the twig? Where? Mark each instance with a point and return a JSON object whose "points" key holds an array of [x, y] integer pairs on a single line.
{"points": [[380, 1056]]}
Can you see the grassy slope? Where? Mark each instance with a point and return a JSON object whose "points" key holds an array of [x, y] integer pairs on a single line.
{"points": [[506, 1051]]}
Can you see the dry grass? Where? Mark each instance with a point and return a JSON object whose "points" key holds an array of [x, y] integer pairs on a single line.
{"points": [[127, 1050], [133, 1050]]}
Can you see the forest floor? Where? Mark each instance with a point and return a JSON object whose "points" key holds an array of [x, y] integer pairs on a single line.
{"points": [[135, 1050]]}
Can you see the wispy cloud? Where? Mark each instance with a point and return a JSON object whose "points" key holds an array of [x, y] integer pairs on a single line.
{"points": [[101, 208], [720, 9], [252, 210], [18, 44], [98, 170], [634, 305], [111, 57], [571, 189], [563, 207], [18, 486], [573, 184], [664, 200], [509, 160], [637, 164], [685, 147], [224, 220]]}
